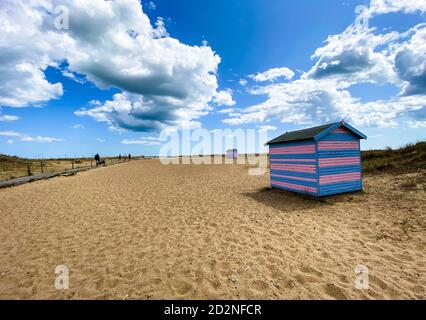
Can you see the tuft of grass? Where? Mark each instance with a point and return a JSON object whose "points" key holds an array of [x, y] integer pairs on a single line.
{"points": [[405, 225]]}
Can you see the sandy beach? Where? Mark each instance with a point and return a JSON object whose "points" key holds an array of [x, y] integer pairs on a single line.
{"points": [[143, 230]]}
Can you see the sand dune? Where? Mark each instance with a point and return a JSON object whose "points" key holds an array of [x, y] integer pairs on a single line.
{"points": [[142, 230]]}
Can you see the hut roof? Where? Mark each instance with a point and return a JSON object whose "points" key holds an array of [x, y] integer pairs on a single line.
{"points": [[314, 133]]}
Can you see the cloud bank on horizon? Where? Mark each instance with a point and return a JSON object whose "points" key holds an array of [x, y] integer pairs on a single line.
{"points": [[165, 83]]}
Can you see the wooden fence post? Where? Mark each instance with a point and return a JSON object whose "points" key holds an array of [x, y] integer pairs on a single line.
{"points": [[73, 163], [29, 170], [41, 166]]}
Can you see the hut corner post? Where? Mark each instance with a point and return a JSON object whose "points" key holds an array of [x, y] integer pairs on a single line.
{"points": [[317, 168], [360, 163]]}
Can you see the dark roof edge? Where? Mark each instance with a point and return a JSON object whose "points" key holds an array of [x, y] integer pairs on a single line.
{"points": [[332, 127], [338, 124]]}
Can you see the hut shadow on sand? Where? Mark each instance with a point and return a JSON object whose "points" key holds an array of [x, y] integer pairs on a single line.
{"points": [[287, 201]]}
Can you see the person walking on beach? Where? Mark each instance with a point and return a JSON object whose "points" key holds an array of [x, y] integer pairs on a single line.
{"points": [[130, 157], [97, 159]]}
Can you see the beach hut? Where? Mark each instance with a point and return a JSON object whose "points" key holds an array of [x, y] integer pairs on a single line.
{"points": [[232, 154], [319, 161]]}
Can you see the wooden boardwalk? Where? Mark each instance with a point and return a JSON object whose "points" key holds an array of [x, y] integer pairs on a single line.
{"points": [[40, 176], [46, 175]]}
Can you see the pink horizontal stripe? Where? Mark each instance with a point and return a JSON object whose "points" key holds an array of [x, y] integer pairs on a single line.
{"points": [[294, 178], [338, 148], [323, 160], [341, 130], [305, 146], [292, 152], [294, 167], [338, 180], [349, 174], [339, 164], [309, 149], [340, 177], [337, 145], [293, 160], [331, 162], [295, 186]]}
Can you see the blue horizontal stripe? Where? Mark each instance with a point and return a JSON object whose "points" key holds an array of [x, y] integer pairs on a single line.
{"points": [[340, 188], [339, 169], [293, 181], [340, 137], [292, 144], [338, 154], [292, 162], [293, 156], [292, 190], [337, 151], [341, 185], [295, 174], [330, 193]]}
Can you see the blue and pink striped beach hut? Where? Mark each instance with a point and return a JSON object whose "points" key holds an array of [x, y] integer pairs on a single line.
{"points": [[319, 161]]}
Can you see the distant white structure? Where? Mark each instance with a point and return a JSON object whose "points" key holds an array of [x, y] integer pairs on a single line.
{"points": [[232, 154]]}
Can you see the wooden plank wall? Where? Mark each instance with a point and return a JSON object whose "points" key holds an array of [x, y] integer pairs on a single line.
{"points": [[339, 163], [293, 167]]}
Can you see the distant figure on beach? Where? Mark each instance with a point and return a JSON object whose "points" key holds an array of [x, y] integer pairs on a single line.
{"points": [[130, 157], [97, 159], [119, 157]]}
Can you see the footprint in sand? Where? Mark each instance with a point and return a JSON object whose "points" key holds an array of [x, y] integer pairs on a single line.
{"points": [[310, 269], [259, 285], [374, 280], [27, 284], [111, 283], [303, 278], [335, 292], [100, 284], [215, 283], [181, 287]]}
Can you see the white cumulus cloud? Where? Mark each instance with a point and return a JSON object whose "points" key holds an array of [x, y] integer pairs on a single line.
{"points": [[273, 74], [28, 138], [114, 45], [243, 82], [151, 5], [147, 141], [378, 7], [8, 118], [224, 98]]}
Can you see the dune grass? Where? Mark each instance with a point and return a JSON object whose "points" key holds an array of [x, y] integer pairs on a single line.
{"points": [[410, 158], [13, 167]]}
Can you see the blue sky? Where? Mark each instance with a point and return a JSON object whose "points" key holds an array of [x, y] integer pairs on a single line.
{"points": [[97, 87]]}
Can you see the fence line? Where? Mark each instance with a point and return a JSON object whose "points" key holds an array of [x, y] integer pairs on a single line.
{"points": [[44, 166]]}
